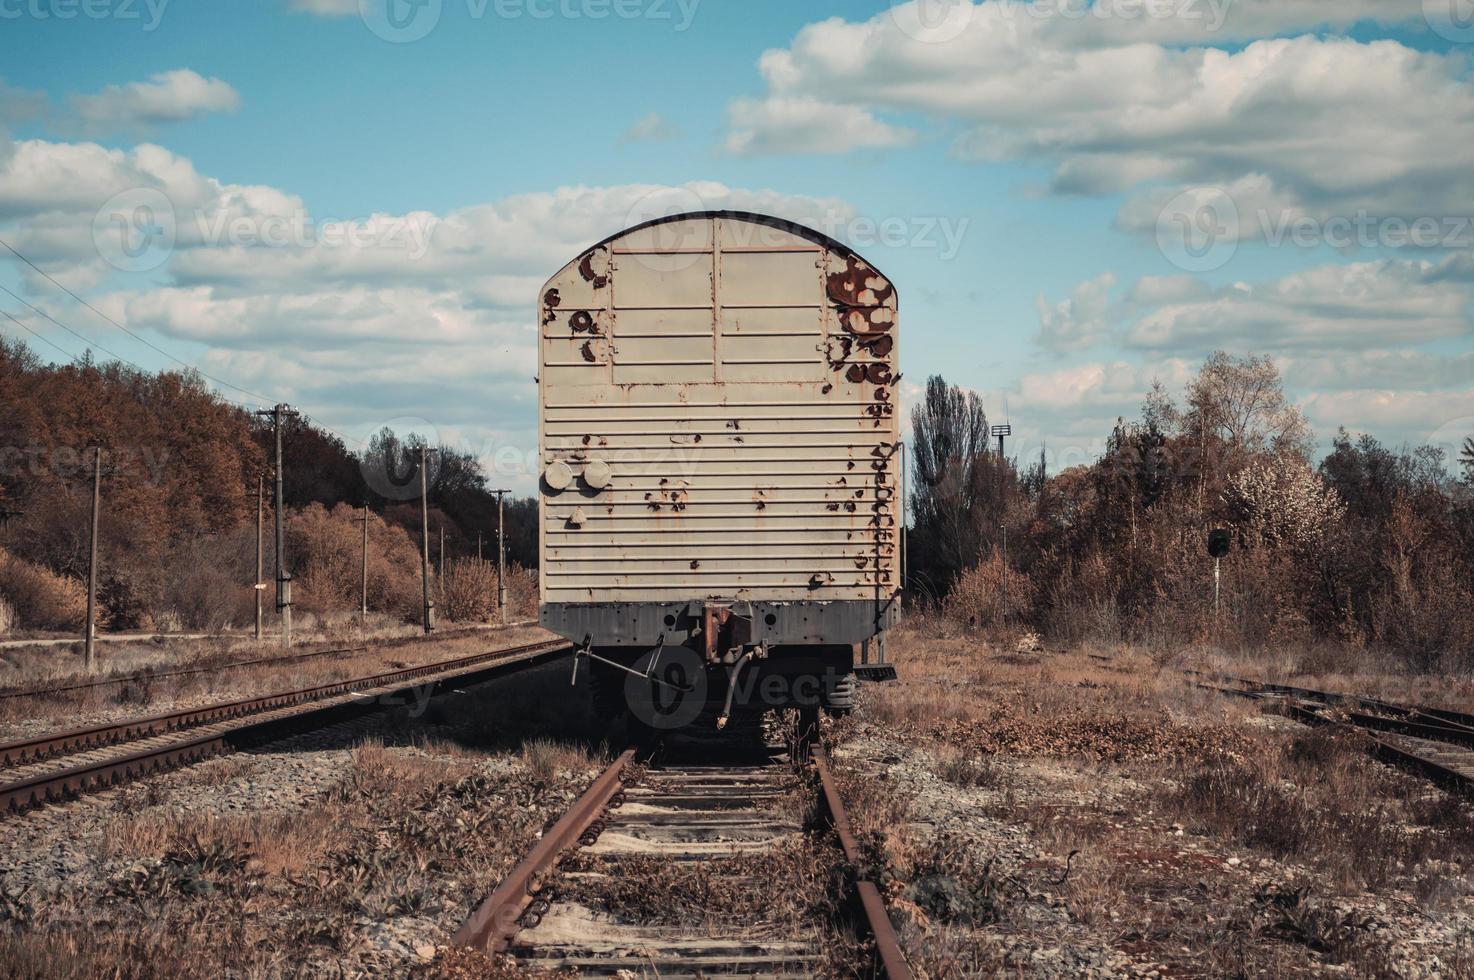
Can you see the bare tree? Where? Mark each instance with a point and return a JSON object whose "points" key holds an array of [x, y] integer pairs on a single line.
{"points": [[1466, 458], [1241, 402]]}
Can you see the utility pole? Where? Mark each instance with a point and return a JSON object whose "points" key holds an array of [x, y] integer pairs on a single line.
{"points": [[442, 552], [425, 539], [478, 547], [283, 578], [364, 610], [91, 641], [257, 585], [501, 557]]}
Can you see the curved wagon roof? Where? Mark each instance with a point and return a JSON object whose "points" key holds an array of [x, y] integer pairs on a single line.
{"points": [[752, 217]]}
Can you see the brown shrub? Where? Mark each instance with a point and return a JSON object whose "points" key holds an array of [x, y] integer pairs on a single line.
{"points": [[325, 553], [467, 591], [40, 598], [989, 593]]}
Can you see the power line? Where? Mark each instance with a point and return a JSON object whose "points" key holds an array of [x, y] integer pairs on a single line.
{"points": [[260, 399], [90, 343], [45, 340], [245, 391]]}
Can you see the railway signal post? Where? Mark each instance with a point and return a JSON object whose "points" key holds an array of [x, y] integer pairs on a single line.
{"points": [[1218, 545]]}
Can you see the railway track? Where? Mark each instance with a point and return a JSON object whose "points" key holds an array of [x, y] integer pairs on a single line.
{"points": [[708, 823], [148, 676], [61, 765], [1434, 742]]}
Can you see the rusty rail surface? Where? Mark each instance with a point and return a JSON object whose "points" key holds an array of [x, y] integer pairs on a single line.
{"points": [[887, 946], [64, 783], [144, 676], [1445, 730], [494, 921]]}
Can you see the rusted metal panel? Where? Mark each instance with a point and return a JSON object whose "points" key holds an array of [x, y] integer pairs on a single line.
{"points": [[735, 373]]}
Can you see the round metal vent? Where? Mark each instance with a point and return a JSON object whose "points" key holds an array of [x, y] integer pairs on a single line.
{"points": [[558, 476], [596, 473]]}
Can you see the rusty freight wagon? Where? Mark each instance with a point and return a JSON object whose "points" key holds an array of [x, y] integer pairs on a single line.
{"points": [[719, 436]]}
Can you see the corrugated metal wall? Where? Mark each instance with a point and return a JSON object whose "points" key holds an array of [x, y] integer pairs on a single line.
{"points": [[735, 377]]}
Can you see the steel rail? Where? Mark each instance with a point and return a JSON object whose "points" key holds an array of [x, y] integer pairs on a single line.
{"points": [[494, 921], [147, 675], [389, 690], [61, 743], [1364, 724], [887, 946]]}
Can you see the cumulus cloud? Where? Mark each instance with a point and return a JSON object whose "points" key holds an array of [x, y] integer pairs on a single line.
{"points": [[1325, 310], [806, 125], [1331, 309], [1079, 321], [1320, 123], [431, 313], [651, 128], [167, 97]]}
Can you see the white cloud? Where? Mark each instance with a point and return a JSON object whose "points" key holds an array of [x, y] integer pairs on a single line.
{"points": [[348, 318], [1415, 417], [1397, 370], [1325, 310], [1324, 124], [167, 97], [651, 128], [1330, 309], [805, 125], [1079, 321]]}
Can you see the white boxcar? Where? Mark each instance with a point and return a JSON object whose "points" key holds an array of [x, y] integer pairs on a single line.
{"points": [[718, 429]]}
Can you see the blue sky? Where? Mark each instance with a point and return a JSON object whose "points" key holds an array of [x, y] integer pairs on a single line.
{"points": [[1032, 163]]}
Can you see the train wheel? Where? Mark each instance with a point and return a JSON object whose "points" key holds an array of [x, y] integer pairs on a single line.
{"points": [[607, 692]]}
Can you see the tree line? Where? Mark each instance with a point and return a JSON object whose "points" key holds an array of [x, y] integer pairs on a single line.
{"points": [[1371, 545], [181, 464]]}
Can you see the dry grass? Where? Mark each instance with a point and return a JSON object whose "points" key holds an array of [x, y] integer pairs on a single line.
{"points": [[1172, 825], [19, 716], [406, 836]]}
